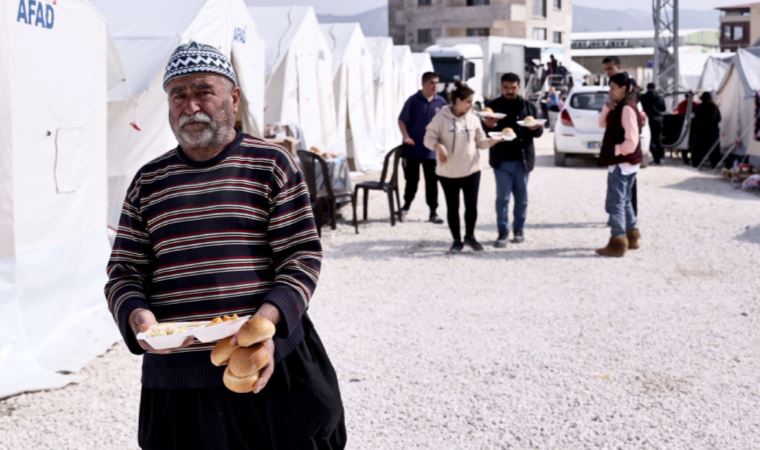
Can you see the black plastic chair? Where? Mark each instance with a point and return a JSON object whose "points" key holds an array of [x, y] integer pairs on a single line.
{"points": [[390, 187], [309, 163]]}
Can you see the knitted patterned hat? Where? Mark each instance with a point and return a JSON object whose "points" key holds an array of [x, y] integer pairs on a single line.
{"points": [[195, 58]]}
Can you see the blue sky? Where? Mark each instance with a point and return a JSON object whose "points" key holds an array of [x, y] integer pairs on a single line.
{"points": [[356, 6]]}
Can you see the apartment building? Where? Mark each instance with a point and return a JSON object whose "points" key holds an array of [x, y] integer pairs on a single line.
{"points": [[418, 23], [739, 26]]}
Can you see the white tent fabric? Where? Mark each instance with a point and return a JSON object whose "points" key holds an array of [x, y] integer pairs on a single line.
{"points": [[407, 82], [692, 62], [354, 93], [53, 238], [299, 70], [738, 99], [145, 32], [423, 63], [714, 71], [387, 111]]}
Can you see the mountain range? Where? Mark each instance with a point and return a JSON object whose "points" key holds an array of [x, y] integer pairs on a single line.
{"points": [[375, 21]]}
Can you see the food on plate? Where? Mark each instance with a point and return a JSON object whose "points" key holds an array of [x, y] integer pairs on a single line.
{"points": [[256, 330], [487, 110], [222, 351], [530, 120], [508, 131], [222, 319], [239, 385], [166, 329]]}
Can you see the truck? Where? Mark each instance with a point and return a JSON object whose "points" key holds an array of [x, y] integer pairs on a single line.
{"points": [[481, 61]]}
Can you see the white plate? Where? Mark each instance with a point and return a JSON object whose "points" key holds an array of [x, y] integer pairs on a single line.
{"points": [[492, 115], [219, 331], [538, 122], [201, 331], [502, 136]]}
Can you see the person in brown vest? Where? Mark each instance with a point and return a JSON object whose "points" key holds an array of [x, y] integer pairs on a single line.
{"points": [[621, 154]]}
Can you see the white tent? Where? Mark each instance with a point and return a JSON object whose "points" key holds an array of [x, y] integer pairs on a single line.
{"points": [[299, 88], [407, 82], [423, 63], [738, 98], [53, 204], [386, 105], [713, 73], [354, 93], [692, 61], [145, 32]]}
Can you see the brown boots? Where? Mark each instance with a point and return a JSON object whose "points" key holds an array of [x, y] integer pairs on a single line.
{"points": [[617, 246], [633, 239]]}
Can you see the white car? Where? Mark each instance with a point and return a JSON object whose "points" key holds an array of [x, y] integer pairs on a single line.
{"points": [[577, 131]]}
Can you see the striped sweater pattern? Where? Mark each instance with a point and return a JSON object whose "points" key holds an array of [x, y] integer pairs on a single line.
{"points": [[198, 240]]}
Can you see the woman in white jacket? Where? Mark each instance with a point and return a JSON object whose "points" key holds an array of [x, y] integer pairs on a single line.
{"points": [[457, 137]]}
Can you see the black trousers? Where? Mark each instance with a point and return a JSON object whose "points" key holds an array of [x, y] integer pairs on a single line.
{"points": [[655, 125], [412, 176], [300, 408], [469, 186]]}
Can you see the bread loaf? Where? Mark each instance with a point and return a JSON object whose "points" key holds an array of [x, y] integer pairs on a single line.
{"points": [[257, 329], [247, 361], [222, 351], [239, 385]]}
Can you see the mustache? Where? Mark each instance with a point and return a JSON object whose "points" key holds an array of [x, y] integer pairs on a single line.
{"points": [[199, 116]]}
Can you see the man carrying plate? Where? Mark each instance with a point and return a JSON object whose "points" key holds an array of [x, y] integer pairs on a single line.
{"points": [[222, 225], [512, 160]]}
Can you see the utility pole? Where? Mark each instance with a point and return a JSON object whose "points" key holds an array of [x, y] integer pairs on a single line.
{"points": [[666, 71]]}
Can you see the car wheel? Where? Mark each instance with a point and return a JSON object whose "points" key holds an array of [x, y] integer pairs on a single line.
{"points": [[560, 159]]}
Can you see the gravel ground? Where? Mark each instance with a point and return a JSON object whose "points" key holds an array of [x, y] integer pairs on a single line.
{"points": [[540, 345]]}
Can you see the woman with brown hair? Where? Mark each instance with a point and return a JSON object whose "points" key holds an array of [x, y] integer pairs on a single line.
{"points": [[621, 154], [455, 135]]}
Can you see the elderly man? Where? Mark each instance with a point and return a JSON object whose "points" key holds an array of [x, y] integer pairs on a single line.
{"points": [[219, 225]]}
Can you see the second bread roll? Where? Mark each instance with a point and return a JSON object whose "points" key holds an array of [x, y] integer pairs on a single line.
{"points": [[257, 329], [222, 351], [247, 361]]}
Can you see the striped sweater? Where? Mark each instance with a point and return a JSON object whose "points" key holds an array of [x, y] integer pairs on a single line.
{"points": [[201, 239]]}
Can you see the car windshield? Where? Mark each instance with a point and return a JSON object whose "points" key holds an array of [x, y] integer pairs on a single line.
{"points": [[589, 100], [448, 69]]}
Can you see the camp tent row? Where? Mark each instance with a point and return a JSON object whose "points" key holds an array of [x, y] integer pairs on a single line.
{"points": [[84, 109], [53, 204], [738, 98]]}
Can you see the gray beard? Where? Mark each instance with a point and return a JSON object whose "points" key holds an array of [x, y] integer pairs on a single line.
{"points": [[215, 135]]}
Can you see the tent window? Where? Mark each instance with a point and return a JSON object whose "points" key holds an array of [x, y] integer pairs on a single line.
{"points": [[71, 151]]}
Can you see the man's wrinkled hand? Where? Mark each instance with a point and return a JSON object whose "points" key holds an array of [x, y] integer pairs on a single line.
{"points": [[266, 372]]}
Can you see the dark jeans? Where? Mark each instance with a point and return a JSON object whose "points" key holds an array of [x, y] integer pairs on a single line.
{"points": [[618, 203], [412, 176], [511, 180], [469, 186]]}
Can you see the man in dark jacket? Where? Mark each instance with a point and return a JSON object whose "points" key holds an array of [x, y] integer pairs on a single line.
{"points": [[512, 161], [654, 107], [417, 113]]}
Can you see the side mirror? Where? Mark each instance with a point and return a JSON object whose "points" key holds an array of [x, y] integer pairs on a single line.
{"points": [[469, 70]]}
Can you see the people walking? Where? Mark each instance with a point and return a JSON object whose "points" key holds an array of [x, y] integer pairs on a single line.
{"points": [[654, 107], [621, 154], [706, 130], [512, 161], [417, 113], [456, 136]]}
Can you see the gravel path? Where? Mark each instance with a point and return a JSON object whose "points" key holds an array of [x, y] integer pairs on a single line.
{"points": [[540, 345]]}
